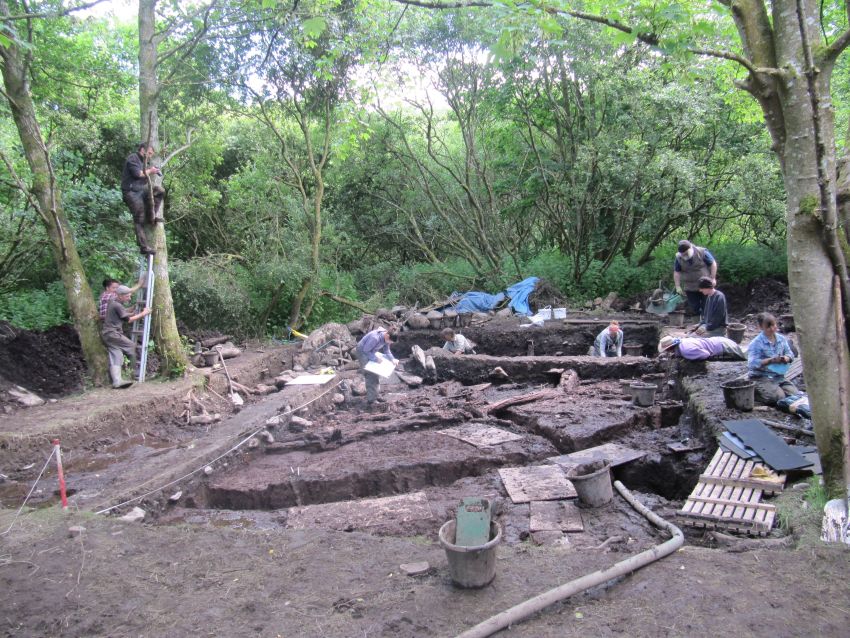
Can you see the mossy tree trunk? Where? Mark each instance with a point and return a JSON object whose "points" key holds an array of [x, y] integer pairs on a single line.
{"points": [[164, 322], [46, 199]]}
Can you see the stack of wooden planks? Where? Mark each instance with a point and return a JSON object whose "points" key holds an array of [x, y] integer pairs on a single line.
{"points": [[727, 496]]}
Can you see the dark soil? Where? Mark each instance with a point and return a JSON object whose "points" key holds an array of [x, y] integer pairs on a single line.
{"points": [[760, 295], [49, 363]]}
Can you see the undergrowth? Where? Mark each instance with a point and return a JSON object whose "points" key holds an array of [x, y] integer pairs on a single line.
{"points": [[800, 512]]}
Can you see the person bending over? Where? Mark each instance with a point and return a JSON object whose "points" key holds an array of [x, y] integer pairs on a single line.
{"points": [[701, 348], [456, 343], [609, 342], [374, 346]]}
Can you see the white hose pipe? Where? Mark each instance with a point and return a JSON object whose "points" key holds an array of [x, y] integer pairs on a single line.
{"points": [[531, 606]]}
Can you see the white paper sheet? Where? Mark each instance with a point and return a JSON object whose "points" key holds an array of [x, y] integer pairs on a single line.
{"points": [[383, 368]]}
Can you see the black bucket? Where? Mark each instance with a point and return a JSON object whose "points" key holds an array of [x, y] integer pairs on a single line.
{"points": [[739, 394]]}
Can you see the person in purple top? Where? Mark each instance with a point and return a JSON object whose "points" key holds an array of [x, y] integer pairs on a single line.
{"points": [[701, 348], [374, 346]]}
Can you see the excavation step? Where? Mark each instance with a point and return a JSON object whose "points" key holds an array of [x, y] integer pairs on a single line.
{"points": [[382, 466], [590, 415], [472, 369], [505, 337]]}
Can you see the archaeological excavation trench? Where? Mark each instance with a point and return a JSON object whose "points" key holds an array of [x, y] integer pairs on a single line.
{"points": [[401, 469]]}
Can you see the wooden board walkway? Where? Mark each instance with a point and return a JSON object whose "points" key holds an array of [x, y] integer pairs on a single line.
{"points": [[728, 497]]}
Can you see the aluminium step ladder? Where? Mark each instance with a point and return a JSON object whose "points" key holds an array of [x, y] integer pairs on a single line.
{"points": [[140, 335]]}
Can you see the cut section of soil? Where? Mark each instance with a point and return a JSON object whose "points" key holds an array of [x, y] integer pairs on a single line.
{"points": [[49, 363]]}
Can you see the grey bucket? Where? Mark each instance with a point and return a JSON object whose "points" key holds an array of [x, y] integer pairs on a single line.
{"points": [[735, 332], [739, 394], [643, 394], [471, 567], [633, 349], [626, 386], [593, 483]]}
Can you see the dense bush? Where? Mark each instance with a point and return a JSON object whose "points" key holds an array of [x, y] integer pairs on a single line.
{"points": [[207, 296], [35, 309]]}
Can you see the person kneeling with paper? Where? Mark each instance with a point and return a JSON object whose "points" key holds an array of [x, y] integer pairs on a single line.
{"points": [[373, 353]]}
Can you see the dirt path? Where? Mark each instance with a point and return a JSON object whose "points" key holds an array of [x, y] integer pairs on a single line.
{"points": [[121, 579]]}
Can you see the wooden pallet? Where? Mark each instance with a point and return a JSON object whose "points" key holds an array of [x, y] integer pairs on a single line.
{"points": [[727, 497]]}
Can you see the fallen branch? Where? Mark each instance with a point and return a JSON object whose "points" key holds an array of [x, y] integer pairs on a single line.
{"points": [[787, 428], [204, 419], [735, 544], [541, 395], [345, 302]]}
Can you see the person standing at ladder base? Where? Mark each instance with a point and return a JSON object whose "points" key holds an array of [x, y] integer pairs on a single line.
{"points": [[689, 266], [136, 190], [108, 294], [113, 334]]}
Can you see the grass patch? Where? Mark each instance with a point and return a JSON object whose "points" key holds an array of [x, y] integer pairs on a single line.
{"points": [[800, 512]]}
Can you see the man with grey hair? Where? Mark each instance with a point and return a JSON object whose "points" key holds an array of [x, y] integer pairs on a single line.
{"points": [[690, 265], [113, 334]]}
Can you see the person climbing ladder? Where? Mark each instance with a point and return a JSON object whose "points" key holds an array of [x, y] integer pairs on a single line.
{"points": [[143, 197]]}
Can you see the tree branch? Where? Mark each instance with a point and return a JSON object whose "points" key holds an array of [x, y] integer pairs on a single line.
{"points": [[181, 149], [54, 14], [834, 50]]}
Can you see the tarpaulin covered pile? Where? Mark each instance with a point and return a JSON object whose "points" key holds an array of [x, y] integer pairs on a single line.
{"points": [[474, 301]]}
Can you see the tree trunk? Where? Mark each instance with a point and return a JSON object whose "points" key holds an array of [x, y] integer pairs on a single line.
{"points": [[809, 167], [48, 200], [164, 323]]}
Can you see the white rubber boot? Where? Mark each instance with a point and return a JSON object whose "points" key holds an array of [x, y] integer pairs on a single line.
{"points": [[117, 381]]}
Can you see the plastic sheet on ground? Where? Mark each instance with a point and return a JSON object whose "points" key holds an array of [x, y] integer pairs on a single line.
{"points": [[476, 301], [519, 293]]}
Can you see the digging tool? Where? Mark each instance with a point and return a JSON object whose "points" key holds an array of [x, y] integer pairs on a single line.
{"points": [[235, 397]]}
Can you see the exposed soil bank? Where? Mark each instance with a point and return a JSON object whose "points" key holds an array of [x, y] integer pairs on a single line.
{"points": [[49, 363], [102, 413], [504, 336]]}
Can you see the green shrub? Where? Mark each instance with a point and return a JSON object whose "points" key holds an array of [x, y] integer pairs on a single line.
{"points": [[207, 296], [36, 309]]}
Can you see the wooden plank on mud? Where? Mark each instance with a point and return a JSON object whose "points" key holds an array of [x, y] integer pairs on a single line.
{"points": [[563, 516], [536, 483], [613, 452], [480, 435]]}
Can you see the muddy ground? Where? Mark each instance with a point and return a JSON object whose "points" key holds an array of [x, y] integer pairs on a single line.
{"points": [[305, 535]]}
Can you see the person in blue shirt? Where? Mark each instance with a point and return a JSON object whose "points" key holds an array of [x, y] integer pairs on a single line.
{"points": [[690, 265], [768, 357], [609, 342], [374, 346], [714, 318]]}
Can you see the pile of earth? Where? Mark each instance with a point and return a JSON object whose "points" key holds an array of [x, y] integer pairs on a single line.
{"points": [[768, 294], [49, 363]]}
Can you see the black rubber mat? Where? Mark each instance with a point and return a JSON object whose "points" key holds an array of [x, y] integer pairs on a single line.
{"points": [[772, 449]]}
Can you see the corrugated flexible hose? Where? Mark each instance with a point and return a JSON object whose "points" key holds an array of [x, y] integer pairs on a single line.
{"points": [[531, 606]]}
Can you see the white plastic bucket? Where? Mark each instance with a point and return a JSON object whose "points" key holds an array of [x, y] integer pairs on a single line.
{"points": [[545, 313], [559, 313]]}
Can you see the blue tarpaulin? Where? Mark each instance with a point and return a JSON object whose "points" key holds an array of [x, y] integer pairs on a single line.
{"points": [[519, 293], [478, 302], [474, 301]]}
